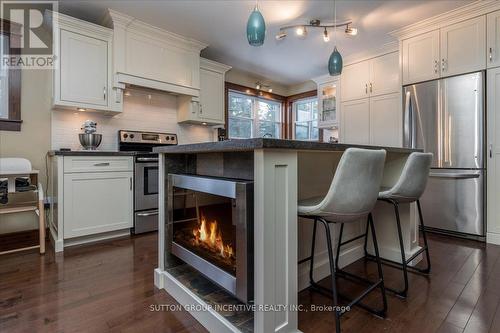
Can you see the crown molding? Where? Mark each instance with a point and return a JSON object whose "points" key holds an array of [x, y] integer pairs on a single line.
{"points": [[477, 8], [213, 65], [70, 22], [131, 23]]}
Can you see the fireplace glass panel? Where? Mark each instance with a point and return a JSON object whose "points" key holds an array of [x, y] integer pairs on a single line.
{"points": [[203, 225]]}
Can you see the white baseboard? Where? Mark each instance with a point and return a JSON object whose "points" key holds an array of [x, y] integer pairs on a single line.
{"points": [[95, 238], [492, 238]]}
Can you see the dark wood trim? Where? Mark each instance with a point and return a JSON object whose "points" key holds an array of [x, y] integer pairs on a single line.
{"points": [[14, 122], [256, 93], [289, 111], [18, 239]]}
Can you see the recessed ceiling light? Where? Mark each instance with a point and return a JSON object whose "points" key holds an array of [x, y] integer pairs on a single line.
{"points": [[127, 93], [204, 124], [270, 90], [81, 109]]}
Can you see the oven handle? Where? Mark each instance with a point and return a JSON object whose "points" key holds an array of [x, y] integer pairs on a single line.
{"points": [[148, 213], [147, 159]]}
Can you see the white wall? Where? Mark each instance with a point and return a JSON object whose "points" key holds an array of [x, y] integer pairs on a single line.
{"points": [[156, 114], [249, 79]]}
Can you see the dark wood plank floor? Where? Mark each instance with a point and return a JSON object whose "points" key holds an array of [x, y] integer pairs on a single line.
{"points": [[108, 287]]}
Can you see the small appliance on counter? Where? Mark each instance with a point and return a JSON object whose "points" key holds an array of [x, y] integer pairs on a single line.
{"points": [[90, 140]]}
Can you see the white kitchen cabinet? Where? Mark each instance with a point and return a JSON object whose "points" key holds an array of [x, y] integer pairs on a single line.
{"points": [[82, 78], [384, 74], [84, 69], [97, 202], [355, 80], [372, 77], [386, 123], [493, 39], [355, 124], [463, 47], [93, 198], [493, 156], [421, 61], [209, 107]]}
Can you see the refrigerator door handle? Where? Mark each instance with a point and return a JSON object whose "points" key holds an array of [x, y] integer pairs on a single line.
{"points": [[407, 130], [454, 175]]}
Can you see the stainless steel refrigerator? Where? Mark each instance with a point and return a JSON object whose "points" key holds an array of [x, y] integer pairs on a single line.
{"points": [[446, 117]]}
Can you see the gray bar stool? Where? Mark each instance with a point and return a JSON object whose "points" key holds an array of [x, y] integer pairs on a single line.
{"points": [[351, 197], [409, 188]]}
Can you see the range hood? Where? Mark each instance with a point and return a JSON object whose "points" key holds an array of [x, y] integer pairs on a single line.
{"points": [[150, 57]]}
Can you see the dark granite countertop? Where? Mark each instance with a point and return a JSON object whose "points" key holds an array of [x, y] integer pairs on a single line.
{"points": [[266, 143], [90, 153]]}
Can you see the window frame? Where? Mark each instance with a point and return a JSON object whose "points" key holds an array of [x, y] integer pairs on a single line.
{"points": [[310, 122], [256, 95], [13, 122], [290, 113]]}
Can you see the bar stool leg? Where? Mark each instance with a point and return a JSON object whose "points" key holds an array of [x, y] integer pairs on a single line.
{"points": [[403, 293], [311, 267], [426, 270], [333, 274], [379, 265]]}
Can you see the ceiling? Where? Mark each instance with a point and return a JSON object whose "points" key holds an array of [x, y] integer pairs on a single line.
{"points": [[222, 24]]}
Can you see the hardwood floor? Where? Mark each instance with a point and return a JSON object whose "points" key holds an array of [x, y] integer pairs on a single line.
{"points": [[108, 287]]}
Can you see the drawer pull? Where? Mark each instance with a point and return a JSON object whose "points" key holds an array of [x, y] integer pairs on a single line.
{"points": [[101, 164], [148, 214]]}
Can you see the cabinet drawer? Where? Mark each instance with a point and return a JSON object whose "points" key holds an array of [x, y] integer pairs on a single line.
{"points": [[97, 163]]}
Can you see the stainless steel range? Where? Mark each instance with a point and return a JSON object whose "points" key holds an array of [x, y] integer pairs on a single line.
{"points": [[145, 174]]}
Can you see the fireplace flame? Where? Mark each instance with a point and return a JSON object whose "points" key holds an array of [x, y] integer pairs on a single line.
{"points": [[211, 237]]}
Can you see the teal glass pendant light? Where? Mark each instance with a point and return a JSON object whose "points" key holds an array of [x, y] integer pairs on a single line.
{"points": [[335, 62], [256, 27]]}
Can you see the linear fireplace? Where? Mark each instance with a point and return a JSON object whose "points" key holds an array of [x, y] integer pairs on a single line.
{"points": [[212, 229]]}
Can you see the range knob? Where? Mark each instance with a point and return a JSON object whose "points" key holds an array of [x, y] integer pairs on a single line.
{"points": [[167, 138], [132, 136], [172, 138], [125, 135]]}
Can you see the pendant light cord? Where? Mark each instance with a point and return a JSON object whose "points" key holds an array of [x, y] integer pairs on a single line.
{"points": [[335, 22]]}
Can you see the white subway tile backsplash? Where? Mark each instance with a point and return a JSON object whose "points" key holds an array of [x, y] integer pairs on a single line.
{"points": [[141, 113]]}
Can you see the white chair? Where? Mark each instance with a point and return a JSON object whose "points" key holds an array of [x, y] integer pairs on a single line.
{"points": [[351, 197], [10, 169]]}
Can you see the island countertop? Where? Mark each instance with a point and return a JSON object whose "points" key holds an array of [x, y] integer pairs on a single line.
{"points": [[267, 143]]}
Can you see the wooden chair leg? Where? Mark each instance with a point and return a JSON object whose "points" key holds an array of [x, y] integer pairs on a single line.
{"points": [[41, 221]]}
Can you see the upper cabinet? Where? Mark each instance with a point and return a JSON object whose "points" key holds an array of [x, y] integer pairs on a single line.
{"points": [[209, 107], [82, 79], [373, 77], [450, 50], [328, 101], [493, 39], [421, 57], [463, 47], [151, 57]]}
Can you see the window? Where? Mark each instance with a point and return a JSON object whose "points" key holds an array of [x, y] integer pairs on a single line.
{"points": [[10, 78], [305, 115], [251, 116]]}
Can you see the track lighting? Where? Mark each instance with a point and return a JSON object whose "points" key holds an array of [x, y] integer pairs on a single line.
{"points": [[281, 35], [301, 31], [326, 37], [351, 31]]}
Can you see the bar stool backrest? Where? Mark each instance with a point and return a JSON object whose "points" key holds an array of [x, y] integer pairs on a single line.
{"points": [[355, 185], [411, 184]]}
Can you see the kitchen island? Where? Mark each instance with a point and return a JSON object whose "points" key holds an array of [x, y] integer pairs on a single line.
{"points": [[281, 173]]}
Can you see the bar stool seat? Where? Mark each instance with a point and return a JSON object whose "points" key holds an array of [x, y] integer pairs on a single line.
{"points": [[351, 197], [408, 189]]}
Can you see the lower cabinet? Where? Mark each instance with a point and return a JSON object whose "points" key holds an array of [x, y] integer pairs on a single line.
{"points": [[97, 202], [375, 120]]}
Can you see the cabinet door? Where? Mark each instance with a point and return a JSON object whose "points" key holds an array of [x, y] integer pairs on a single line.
{"points": [[97, 202], [355, 121], [493, 39], [355, 80], [463, 47], [386, 120], [211, 96], [84, 69], [421, 57], [493, 160], [384, 74]]}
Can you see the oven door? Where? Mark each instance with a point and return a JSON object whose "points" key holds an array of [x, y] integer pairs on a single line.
{"points": [[146, 183]]}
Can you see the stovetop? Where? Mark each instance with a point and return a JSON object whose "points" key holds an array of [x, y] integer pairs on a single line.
{"points": [[143, 142]]}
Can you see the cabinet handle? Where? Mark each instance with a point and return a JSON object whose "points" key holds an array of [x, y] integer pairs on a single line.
{"points": [[371, 87], [366, 88], [491, 54], [442, 65], [436, 66], [101, 164], [130, 182], [491, 150], [201, 108], [104, 91]]}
